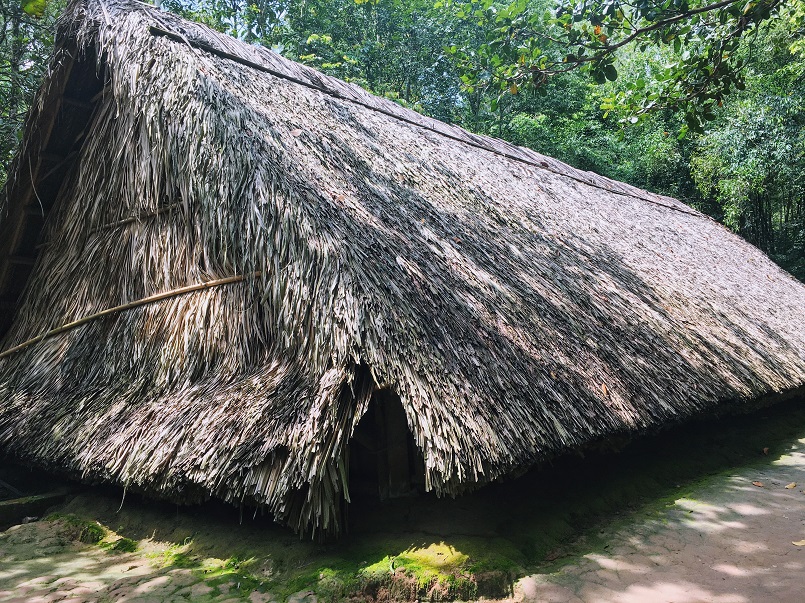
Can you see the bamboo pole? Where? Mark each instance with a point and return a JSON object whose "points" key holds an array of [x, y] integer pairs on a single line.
{"points": [[137, 218], [122, 308]]}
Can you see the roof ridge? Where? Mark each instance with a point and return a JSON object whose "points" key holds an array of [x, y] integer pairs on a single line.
{"points": [[482, 142]]}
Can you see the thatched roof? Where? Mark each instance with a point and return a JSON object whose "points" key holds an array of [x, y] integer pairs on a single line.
{"points": [[334, 244]]}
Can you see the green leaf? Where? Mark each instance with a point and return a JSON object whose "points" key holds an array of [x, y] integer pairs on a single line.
{"points": [[693, 123], [34, 8], [611, 73]]}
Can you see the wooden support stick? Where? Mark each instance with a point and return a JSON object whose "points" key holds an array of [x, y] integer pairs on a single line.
{"points": [[75, 102], [137, 218], [124, 221], [58, 166], [10, 488], [21, 260], [100, 93], [140, 302]]}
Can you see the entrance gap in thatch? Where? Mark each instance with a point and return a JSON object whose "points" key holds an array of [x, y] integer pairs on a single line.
{"points": [[384, 461]]}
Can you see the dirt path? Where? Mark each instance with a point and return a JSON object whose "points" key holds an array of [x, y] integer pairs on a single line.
{"points": [[42, 562], [728, 542]]}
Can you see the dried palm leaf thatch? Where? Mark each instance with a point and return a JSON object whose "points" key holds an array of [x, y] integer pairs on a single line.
{"points": [[518, 307]]}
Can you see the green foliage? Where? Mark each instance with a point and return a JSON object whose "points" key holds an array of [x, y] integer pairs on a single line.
{"points": [[390, 47], [750, 164], [528, 43], [26, 37], [35, 8]]}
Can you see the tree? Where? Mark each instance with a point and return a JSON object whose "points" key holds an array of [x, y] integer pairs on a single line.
{"points": [[527, 43], [25, 43], [750, 165], [393, 48]]}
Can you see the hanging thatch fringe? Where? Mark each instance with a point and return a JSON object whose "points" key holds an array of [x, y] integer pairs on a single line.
{"points": [[517, 306], [127, 306]]}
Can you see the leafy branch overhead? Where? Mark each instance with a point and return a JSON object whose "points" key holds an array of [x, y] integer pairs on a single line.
{"points": [[34, 8], [527, 43]]}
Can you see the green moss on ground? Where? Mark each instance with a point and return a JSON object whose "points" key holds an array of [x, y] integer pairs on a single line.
{"points": [[77, 528], [120, 545]]}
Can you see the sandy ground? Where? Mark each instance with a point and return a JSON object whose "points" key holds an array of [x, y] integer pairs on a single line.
{"points": [[727, 541]]}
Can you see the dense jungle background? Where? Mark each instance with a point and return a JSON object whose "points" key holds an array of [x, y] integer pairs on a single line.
{"points": [[704, 101]]}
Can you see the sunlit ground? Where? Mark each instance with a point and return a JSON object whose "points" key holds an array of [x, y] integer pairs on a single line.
{"points": [[727, 541]]}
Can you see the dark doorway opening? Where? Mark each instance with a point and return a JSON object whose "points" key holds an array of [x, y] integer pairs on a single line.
{"points": [[384, 461]]}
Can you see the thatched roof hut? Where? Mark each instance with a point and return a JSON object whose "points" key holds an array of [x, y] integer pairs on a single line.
{"points": [[216, 259]]}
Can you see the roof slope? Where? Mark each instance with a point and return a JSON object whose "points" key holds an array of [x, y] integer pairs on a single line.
{"points": [[518, 307]]}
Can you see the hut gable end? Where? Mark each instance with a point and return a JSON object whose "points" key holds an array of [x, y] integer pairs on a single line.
{"points": [[226, 274]]}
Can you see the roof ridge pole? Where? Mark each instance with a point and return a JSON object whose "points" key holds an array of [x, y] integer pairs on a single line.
{"points": [[543, 165]]}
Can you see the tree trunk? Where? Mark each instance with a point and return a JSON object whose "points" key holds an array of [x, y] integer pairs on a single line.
{"points": [[14, 61]]}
